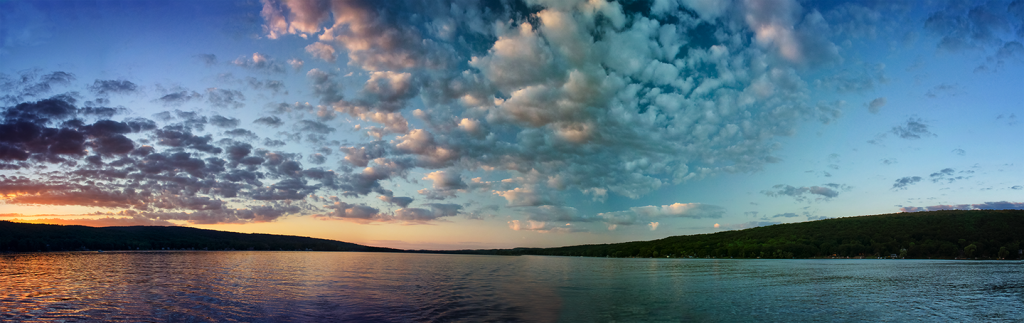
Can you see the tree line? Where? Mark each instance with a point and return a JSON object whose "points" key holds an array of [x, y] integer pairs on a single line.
{"points": [[25, 237], [972, 234]]}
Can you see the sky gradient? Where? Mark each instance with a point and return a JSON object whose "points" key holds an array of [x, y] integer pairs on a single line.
{"points": [[466, 124]]}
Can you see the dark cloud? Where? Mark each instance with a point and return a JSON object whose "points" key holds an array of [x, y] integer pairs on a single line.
{"points": [[224, 98], [785, 215], [181, 137], [912, 129], [274, 86], [224, 122], [271, 121], [875, 105], [825, 192], [314, 127], [107, 87], [959, 152], [946, 174], [29, 84], [179, 98], [902, 183], [101, 112], [324, 86], [208, 59]]}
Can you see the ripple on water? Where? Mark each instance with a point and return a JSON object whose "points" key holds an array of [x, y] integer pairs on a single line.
{"points": [[369, 287]]}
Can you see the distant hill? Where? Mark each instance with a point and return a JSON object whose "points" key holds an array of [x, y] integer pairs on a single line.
{"points": [[981, 234], [20, 237], [975, 234]]}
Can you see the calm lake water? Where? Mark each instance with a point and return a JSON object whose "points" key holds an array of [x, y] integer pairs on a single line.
{"points": [[367, 287]]}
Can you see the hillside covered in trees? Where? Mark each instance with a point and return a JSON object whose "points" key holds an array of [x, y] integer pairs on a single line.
{"points": [[981, 234], [974, 234], [22, 237]]}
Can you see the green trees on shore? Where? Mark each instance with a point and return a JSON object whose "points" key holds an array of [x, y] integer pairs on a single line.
{"points": [[981, 234]]}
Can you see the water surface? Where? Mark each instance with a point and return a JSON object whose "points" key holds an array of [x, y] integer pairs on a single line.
{"points": [[342, 286]]}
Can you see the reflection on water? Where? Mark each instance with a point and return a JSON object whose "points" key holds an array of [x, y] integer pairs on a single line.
{"points": [[317, 286]]}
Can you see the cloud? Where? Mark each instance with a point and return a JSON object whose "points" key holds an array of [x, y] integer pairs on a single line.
{"points": [[785, 215], [1003, 205], [225, 98], [103, 222], [179, 98], [271, 121], [107, 87], [259, 62], [29, 84], [644, 214], [295, 63], [208, 59], [944, 90], [963, 26], [875, 105], [224, 122], [912, 129], [902, 183], [544, 227], [551, 213], [609, 105], [274, 86], [824, 193], [959, 152], [322, 51]]}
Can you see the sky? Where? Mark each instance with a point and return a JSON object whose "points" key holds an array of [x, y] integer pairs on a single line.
{"points": [[499, 124]]}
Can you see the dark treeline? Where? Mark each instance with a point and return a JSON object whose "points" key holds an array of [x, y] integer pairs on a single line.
{"points": [[981, 234], [975, 234], [24, 237]]}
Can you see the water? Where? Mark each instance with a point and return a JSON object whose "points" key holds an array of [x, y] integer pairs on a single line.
{"points": [[367, 287]]}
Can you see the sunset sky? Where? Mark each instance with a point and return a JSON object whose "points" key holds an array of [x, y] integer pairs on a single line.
{"points": [[487, 124]]}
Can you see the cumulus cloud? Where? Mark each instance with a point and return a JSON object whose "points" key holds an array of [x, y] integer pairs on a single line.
{"points": [[224, 122], [947, 175], [179, 98], [967, 26], [624, 113], [271, 121], [322, 51], [259, 62], [644, 214], [914, 128], [107, 87], [29, 84], [225, 98], [902, 183], [876, 105], [824, 193], [529, 225]]}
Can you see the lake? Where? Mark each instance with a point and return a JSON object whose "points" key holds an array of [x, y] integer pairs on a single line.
{"points": [[264, 286]]}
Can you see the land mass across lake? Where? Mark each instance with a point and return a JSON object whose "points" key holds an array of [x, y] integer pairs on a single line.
{"points": [[948, 234]]}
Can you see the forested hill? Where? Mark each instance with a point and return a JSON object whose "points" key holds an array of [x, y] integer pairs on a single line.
{"points": [[48, 237], [981, 234]]}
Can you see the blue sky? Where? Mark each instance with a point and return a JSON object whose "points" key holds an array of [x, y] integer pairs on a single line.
{"points": [[461, 124]]}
